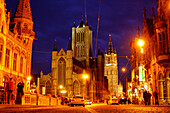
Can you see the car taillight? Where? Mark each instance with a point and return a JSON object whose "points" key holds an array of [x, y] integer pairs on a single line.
{"points": [[82, 100], [72, 100]]}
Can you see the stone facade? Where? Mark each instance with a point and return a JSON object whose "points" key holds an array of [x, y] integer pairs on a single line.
{"points": [[111, 69], [156, 56], [68, 68], [16, 38]]}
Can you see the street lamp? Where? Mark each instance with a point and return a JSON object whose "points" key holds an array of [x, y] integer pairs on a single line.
{"points": [[141, 44], [28, 83], [123, 69], [85, 76], [60, 86]]}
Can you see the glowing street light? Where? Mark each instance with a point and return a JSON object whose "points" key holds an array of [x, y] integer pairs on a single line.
{"points": [[85, 76], [29, 78], [28, 83], [140, 42], [61, 87], [123, 69]]}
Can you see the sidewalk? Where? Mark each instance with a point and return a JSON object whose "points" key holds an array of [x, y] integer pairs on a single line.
{"points": [[7, 106]]}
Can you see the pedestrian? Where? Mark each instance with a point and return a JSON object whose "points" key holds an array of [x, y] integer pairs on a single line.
{"points": [[155, 94], [10, 85], [145, 96], [20, 92], [148, 97]]}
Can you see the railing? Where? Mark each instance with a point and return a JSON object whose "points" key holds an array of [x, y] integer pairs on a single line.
{"points": [[38, 99]]}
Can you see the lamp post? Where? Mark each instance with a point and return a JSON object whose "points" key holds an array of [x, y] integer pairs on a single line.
{"points": [[85, 76], [141, 70], [28, 83]]}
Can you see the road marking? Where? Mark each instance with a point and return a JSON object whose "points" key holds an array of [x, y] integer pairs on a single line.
{"points": [[90, 110]]}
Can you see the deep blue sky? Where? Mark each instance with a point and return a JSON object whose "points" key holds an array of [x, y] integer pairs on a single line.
{"points": [[53, 19]]}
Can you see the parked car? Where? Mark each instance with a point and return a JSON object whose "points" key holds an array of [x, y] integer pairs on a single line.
{"points": [[88, 102], [113, 100], [77, 100]]}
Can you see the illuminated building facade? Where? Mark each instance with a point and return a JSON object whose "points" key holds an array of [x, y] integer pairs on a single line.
{"points": [[111, 70], [68, 68], [155, 59], [16, 39]]}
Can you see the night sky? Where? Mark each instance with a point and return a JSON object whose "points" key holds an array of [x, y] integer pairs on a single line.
{"points": [[53, 20]]}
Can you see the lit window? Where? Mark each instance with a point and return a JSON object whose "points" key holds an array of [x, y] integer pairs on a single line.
{"points": [[15, 62], [21, 65], [1, 48], [7, 56]]}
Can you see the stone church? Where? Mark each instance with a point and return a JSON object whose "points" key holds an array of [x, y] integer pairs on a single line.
{"points": [[68, 68]]}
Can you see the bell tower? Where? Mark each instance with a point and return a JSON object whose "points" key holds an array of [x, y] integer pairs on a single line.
{"points": [[23, 23], [111, 69], [22, 27]]}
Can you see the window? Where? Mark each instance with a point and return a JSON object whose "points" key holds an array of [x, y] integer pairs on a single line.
{"points": [[1, 49], [21, 65], [2, 29], [160, 44], [164, 42], [15, 62], [7, 56], [108, 60], [25, 26]]}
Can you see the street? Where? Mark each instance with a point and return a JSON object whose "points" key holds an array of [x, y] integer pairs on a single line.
{"points": [[94, 108]]}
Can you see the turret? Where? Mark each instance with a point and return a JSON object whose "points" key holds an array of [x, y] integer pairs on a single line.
{"points": [[74, 39], [22, 23], [110, 50]]}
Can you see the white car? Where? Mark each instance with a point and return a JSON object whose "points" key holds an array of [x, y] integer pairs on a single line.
{"points": [[113, 100], [88, 102], [77, 100]]}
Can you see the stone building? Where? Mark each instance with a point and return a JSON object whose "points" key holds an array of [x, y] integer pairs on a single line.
{"points": [[16, 38], [111, 69], [68, 68], [155, 60]]}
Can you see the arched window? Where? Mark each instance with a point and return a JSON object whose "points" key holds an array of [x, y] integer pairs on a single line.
{"points": [[62, 72], [1, 50], [21, 65], [25, 26], [7, 58], [15, 62]]}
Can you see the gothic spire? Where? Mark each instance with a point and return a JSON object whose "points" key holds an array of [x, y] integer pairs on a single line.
{"points": [[23, 10], [69, 45], [144, 13], [110, 50], [55, 46]]}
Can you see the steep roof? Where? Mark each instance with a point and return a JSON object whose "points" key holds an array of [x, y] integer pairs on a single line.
{"points": [[55, 46], [23, 10], [81, 24], [69, 45]]}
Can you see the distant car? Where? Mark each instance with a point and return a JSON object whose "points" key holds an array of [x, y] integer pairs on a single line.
{"points": [[88, 102], [77, 100], [113, 100]]}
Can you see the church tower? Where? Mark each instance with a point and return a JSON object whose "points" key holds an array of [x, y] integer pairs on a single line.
{"points": [[110, 69], [82, 41], [23, 23]]}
